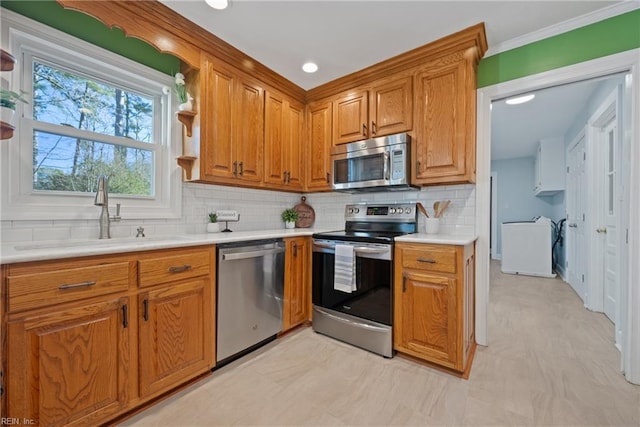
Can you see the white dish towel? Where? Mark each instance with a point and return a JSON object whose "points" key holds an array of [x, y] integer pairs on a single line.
{"points": [[344, 279]]}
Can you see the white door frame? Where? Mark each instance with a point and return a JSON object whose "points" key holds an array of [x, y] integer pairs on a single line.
{"points": [[626, 61], [494, 217]]}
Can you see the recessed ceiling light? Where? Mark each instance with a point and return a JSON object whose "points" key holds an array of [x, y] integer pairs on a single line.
{"points": [[520, 99], [218, 4], [309, 67]]}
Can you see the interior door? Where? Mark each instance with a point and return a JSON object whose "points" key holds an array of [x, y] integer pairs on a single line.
{"points": [[577, 244], [608, 231]]}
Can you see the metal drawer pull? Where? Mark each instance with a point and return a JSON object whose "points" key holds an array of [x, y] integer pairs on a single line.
{"points": [[429, 260], [179, 269], [76, 285]]}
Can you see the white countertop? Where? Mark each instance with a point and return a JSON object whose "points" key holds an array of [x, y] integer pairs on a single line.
{"points": [[440, 239], [47, 250]]}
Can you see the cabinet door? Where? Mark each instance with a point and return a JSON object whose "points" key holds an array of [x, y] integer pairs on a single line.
{"points": [[69, 365], [427, 313], [318, 175], [392, 107], [176, 340], [444, 144], [294, 137], [297, 291], [217, 133], [249, 130], [350, 118], [274, 139]]}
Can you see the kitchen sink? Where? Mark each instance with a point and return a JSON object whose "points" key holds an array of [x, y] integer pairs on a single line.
{"points": [[134, 241]]}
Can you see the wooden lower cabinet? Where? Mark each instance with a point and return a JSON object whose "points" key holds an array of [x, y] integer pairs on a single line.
{"points": [[103, 344], [70, 366], [175, 334], [434, 303], [297, 282]]}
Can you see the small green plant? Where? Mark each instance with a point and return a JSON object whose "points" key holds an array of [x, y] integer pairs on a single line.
{"points": [[289, 215], [9, 98], [213, 217]]}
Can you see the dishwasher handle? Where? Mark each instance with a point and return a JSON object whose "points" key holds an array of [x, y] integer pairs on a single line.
{"points": [[251, 254]]}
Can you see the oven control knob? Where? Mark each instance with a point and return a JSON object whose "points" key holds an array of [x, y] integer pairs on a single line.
{"points": [[350, 210], [356, 210], [392, 210], [407, 210]]}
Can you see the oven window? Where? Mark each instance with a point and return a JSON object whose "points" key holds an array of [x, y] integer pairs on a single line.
{"points": [[365, 168], [372, 299]]}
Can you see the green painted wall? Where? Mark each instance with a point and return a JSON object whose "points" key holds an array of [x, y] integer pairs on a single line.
{"points": [[93, 31], [613, 35]]}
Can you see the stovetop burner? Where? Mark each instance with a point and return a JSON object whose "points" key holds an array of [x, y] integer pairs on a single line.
{"points": [[375, 223]]}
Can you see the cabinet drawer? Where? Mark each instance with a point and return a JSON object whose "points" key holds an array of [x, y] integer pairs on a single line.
{"points": [[430, 258], [66, 284], [170, 266]]}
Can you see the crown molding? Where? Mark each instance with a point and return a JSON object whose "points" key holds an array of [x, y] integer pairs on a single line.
{"points": [[565, 26]]}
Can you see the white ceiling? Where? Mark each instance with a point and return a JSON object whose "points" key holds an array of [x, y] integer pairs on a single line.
{"points": [[346, 36]]}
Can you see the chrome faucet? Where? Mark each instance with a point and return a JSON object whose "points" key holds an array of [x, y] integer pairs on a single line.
{"points": [[102, 199]]}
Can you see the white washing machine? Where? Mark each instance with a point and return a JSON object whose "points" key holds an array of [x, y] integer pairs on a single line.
{"points": [[526, 248]]}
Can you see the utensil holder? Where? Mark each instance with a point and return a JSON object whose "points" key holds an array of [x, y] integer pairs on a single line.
{"points": [[432, 225]]}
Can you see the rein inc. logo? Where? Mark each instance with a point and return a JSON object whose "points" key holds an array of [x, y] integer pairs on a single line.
{"points": [[17, 421]]}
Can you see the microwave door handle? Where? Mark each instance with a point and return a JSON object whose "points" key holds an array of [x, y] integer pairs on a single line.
{"points": [[387, 165]]}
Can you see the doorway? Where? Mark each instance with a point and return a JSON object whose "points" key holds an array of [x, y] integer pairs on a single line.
{"points": [[626, 61]]}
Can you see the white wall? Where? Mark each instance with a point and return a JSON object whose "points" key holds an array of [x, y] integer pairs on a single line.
{"points": [[259, 210]]}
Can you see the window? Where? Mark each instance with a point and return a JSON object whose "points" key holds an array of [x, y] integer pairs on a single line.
{"points": [[90, 113]]}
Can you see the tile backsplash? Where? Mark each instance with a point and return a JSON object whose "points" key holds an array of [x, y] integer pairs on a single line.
{"points": [[258, 209]]}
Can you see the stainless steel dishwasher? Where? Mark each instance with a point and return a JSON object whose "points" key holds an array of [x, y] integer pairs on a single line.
{"points": [[250, 292]]}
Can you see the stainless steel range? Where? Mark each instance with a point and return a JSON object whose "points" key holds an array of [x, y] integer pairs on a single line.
{"points": [[353, 275]]}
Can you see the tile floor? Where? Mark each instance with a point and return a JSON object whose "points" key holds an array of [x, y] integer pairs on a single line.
{"points": [[549, 362]]}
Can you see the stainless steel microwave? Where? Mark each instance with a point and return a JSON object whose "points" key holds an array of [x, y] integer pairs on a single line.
{"points": [[377, 164]]}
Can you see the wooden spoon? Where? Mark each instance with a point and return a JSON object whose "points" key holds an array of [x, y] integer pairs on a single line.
{"points": [[436, 205], [422, 209], [444, 206]]}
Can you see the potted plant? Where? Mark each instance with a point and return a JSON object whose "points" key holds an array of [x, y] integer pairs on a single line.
{"points": [[213, 226], [8, 100], [289, 217]]}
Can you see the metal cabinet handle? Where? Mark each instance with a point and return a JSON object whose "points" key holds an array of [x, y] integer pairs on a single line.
{"points": [[77, 285], [427, 260], [364, 129], [145, 310], [179, 269], [235, 168], [328, 177], [125, 316], [374, 128], [602, 230], [573, 225], [241, 165], [295, 249]]}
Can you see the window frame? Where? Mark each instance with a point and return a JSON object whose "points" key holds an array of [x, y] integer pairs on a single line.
{"points": [[27, 39]]}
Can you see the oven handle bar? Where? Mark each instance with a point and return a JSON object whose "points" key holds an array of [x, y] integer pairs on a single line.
{"points": [[350, 322], [357, 249]]}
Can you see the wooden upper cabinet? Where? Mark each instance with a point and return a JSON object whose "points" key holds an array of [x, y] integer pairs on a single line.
{"points": [[232, 124], [444, 145], [351, 117], [317, 153], [391, 107], [69, 365], [384, 108], [283, 133]]}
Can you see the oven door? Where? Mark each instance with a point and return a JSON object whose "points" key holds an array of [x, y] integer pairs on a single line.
{"points": [[361, 169], [372, 299]]}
